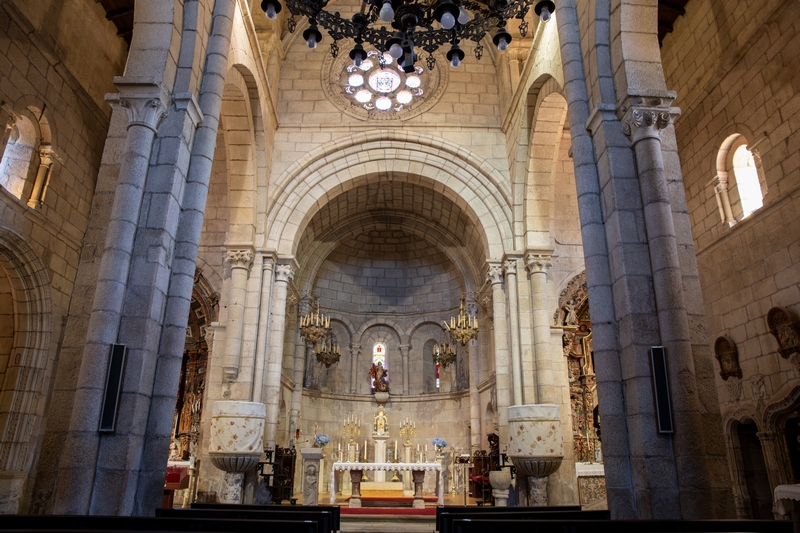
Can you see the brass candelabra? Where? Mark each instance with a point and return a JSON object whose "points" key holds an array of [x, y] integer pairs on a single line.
{"points": [[351, 427], [408, 430]]}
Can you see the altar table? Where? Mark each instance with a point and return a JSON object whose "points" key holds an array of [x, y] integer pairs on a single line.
{"points": [[417, 469]]}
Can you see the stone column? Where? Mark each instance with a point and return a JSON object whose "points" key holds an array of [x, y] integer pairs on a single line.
{"points": [[642, 125], [474, 395], [147, 103], [380, 455], [407, 459], [724, 198], [283, 274], [404, 349], [355, 352], [501, 362], [312, 474], [241, 261], [516, 57], [513, 319], [537, 265], [267, 268], [46, 160]]}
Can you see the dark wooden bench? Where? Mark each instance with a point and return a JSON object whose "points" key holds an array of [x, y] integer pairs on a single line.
{"points": [[323, 516], [445, 524], [478, 511], [335, 509], [492, 525], [72, 523]]}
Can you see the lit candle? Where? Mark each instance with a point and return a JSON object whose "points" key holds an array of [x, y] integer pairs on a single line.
{"points": [[418, 447], [395, 450], [365, 451]]}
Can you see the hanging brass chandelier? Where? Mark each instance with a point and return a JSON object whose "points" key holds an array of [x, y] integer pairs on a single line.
{"points": [[444, 354], [412, 25], [328, 352], [314, 326], [463, 328]]}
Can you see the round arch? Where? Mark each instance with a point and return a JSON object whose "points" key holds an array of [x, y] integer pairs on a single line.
{"points": [[458, 174]]}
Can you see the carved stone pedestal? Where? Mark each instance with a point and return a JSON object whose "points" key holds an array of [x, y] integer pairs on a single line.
{"points": [[355, 498], [419, 479], [312, 474], [535, 446], [500, 480]]}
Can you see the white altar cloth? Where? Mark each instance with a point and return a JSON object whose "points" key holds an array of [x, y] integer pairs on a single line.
{"points": [[785, 492], [388, 467]]}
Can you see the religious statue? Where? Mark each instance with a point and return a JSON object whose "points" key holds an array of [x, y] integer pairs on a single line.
{"points": [[380, 427], [378, 373]]}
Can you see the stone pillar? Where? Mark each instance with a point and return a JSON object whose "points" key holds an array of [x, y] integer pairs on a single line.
{"points": [[537, 265], [501, 362], [380, 455], [283, 274], [513, 319], [147, 103], [500, 481], [516, 57], [355, 480], [474, 395], [724, 198], [241, 261], [312, 474], [419, 479], [355, 353], [267, 269], [407, 459], [46, 160], [404, 349], [298, 375], [642, 125]]}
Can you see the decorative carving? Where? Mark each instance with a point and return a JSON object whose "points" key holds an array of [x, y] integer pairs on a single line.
{"points": [[575, 293], [537, 263], [784, 328], [510, 266], [642, 122], [759, 388], [728, 358], [146, 101], [284, 273], [495, 274], [239, 258], [735, 388]]}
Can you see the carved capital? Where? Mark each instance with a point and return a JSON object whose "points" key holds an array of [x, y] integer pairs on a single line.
{"points": [[642, 123], [537, 263], [47, 156], [267, 263], [284, 273], [495, 274], [239, 258], [510, 266], [145, 99], [404, 349]]}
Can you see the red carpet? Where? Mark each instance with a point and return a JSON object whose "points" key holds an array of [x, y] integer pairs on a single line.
{"points": [[430, 511], [395, 499]]}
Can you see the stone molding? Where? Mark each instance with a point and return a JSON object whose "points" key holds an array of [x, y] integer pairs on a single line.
{"points": [[510, 267], [239, 258], [146, 100], [188, 103]]}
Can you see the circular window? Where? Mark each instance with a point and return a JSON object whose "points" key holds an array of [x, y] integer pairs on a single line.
{"points": [[379, 89]]}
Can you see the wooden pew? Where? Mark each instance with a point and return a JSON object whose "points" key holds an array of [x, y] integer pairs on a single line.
{"points": [[323, 516], [518, 513], [337, 516], [621, 526], [478, 511], [71, 523]]}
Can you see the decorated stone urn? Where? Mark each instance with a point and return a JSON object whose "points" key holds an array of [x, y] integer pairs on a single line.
{"points": [[237, 442], [535, 445]]}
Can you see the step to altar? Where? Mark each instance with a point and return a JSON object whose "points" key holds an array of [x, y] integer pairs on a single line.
{"points": [[386, 488]]}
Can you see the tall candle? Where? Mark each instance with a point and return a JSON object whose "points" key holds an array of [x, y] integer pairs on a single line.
{"points": [[395, 450], [365, 451]]}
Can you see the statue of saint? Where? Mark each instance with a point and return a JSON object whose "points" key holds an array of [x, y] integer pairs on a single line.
{"points": [[378, 373], [381, 424]]}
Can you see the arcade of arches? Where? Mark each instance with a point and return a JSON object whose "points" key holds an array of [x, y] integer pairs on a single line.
{"points": [[193, 180]]}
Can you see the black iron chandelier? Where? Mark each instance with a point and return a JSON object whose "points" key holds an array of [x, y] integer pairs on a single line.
{"points": [[414, 24]]}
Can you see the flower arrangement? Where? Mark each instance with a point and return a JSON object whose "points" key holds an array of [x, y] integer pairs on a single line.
{"points": [[321, 440], [439, 443]]}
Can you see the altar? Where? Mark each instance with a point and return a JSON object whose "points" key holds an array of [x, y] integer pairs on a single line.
{"points": [[417, 470]]}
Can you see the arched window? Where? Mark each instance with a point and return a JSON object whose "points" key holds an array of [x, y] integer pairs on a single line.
{"points": [[26, 156], [379, 356], [739, 185]]}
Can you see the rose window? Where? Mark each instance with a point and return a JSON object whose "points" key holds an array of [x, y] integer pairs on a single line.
{"points": [[377, 83]]}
